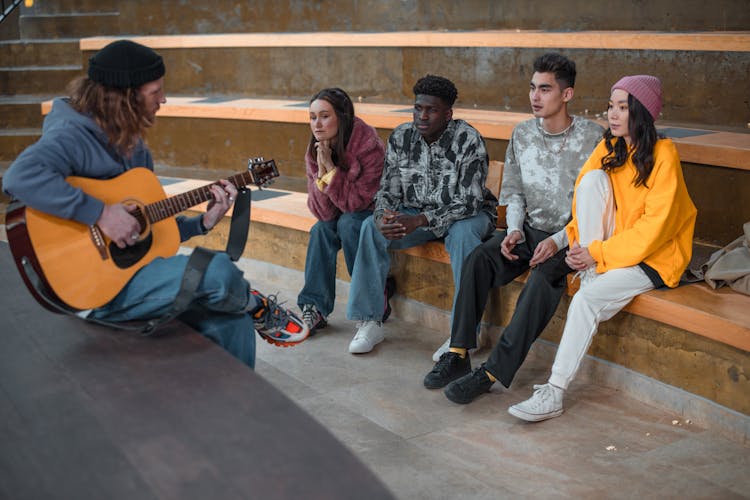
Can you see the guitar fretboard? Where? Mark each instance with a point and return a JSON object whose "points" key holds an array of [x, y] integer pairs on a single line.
{"points": [[179, 203]]}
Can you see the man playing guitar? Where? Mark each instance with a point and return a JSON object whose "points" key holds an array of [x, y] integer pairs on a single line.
{"points": [[97, 133]]}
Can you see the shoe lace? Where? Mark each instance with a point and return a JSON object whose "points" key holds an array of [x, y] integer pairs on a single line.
{"points": [[309, 314], [542, 394], [443, 365], [274, 315], [361, 329], [585, 275]]}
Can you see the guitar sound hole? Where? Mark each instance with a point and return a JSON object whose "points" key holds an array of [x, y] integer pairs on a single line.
{"points": [[128, 256]]}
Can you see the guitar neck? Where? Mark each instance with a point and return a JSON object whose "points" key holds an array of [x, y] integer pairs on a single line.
{"points": [[179, 203]]}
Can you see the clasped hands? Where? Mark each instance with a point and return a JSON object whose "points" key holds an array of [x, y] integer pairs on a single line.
{"points": [[119, 225], [394, 225], [325, 163]]}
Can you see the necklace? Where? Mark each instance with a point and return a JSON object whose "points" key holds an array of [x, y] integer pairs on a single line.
{"points": [[565, 133]]}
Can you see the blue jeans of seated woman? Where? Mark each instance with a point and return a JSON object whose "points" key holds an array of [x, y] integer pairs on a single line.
{"points": [[326, 239], [373, 260], [218, 313]]}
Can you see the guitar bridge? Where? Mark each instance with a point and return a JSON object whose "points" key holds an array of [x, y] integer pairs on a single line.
{"points": [[97, 238]]}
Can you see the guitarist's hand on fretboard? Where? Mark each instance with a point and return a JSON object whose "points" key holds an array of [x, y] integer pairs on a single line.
{"points": [[224, 194], [117, 224]]}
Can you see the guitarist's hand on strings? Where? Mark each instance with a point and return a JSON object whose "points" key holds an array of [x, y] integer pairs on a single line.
{"points": [[118, 225], [224, 195]]}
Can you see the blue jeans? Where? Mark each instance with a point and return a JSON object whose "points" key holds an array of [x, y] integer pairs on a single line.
{"points": [[373, 260], [326, 239], [218, 313]]}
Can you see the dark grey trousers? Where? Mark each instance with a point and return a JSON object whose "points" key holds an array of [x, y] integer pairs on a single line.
{"points": [[485, 268]]}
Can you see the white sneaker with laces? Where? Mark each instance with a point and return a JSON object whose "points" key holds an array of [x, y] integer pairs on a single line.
{"points": [[369, 334], [546, 402], [587, 275]]}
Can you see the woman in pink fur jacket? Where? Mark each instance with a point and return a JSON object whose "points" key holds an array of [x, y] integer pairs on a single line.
{"points": [[344, 163]]}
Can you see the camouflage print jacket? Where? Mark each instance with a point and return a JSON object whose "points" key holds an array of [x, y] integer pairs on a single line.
{"points": [[444, 180]]}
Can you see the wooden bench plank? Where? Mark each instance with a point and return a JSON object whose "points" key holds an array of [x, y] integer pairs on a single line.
{"points": [[719, 148], [737, 41], [722, 315]]}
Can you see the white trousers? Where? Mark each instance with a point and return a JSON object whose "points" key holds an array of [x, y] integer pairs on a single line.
{"points": [[601, 296]]}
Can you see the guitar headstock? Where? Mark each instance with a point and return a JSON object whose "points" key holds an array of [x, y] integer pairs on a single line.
{"points": [[262, 171]]}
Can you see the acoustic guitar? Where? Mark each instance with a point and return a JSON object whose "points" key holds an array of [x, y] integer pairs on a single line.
{"points": [[76, 266]]}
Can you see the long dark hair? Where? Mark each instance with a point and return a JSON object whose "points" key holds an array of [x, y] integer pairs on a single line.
{"points": [[344, 109], [643, 137], [119, 112]]}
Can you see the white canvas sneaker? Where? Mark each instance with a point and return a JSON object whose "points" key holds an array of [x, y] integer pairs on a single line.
{"points": [[369, 334], [545, 403]]}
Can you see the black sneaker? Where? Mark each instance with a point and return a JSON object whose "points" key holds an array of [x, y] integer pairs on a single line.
{"points": [[390, 289], [450, 367], [466, 389]]}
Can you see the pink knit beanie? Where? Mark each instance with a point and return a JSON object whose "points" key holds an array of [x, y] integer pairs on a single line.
{"points": [[645, 88]]}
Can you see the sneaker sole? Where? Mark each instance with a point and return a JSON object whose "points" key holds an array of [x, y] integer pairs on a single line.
{"points": [[529, 417], [282, 343], [459, 400], [435, 385]]}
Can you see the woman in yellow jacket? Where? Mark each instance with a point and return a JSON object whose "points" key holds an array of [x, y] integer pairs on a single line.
{"points": [[632, 230]]}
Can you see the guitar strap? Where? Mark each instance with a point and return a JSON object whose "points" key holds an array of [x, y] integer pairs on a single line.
{"points": [[191, 278], [240, 224]]}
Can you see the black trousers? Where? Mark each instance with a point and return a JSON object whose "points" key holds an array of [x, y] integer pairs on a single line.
{"points": [[485, 268]]}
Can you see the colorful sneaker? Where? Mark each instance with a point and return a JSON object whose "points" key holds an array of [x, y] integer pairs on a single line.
{"points": [[467, 388], [545, 403], [313, 318], [275, 324], [369, 334], [450, 367], [390, 289]]}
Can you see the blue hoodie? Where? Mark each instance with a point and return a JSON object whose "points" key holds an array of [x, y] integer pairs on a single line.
{"points": [[73, 144]]}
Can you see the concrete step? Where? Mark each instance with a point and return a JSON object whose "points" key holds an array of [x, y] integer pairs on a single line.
{"points": [[21, 111], [490, 68], [68, 25], [49, 80], [13, 141], [222, 16], [53, 52]]}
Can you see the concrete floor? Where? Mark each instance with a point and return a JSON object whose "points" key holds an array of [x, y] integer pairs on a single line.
{"points": [[605, 445]]}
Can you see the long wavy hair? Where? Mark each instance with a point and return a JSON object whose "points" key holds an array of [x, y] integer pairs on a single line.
{"points": [[643, 138], [119, 112], [344, 109]]}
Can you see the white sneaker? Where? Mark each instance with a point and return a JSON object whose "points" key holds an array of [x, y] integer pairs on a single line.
{"points": [[442, 350], [369, 334], [587, 275], [545, 403]]}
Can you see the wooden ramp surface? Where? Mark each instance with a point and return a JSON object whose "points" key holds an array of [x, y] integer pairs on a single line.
{"points": [[89, 412]]}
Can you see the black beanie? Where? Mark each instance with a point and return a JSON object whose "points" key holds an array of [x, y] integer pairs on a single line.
{"points": [[125, 64]]}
